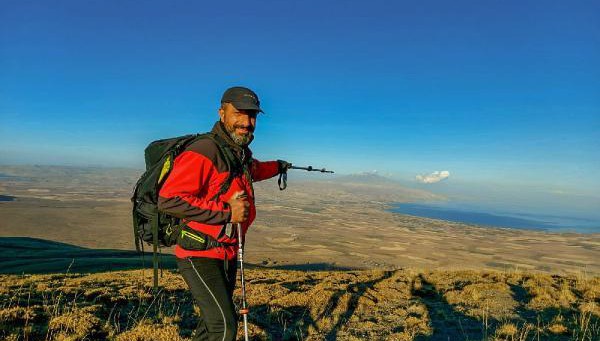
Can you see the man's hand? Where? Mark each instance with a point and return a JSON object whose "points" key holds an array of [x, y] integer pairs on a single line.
{"points": [[283, 166], [239, 207]]}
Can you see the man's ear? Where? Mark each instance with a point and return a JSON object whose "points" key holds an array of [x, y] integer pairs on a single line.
{"points": [[222, 114]]}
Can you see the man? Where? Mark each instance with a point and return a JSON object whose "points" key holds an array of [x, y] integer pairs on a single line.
{"points": [[196, 190]]}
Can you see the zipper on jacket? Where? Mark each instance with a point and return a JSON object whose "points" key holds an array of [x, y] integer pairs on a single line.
{"points": [[192, 236]]}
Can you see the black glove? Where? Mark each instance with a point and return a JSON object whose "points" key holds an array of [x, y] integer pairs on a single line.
{"points": [[283, 166]]}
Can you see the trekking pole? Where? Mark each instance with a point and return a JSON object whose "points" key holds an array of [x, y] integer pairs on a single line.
{"points": [[282, 181], [244, 311], [311, 169]]}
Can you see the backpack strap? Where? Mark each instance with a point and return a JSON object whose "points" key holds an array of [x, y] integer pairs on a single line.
{"points": [[154, 250], [234, 165]]}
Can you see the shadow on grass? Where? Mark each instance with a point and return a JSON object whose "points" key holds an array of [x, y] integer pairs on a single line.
{"points": [[447, 322], [570, 317], [20, 255], [356, 290], [294, 323], [289, 323]]}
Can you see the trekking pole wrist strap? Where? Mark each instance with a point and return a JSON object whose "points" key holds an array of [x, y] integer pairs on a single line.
{"points": [[282, 181]]}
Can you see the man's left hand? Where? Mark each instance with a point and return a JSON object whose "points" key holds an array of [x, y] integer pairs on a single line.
{"points": [[283, 166]]}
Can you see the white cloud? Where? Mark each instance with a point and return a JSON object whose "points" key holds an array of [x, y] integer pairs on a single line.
{"points": [[434, 177]]}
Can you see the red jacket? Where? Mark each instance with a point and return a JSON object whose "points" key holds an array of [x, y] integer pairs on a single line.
{"points": [[196, 177]]}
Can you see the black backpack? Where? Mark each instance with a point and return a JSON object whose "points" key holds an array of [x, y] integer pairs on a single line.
{"points": [[149, 224]]}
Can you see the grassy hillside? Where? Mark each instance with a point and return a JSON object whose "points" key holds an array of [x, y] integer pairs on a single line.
{"points": [[32, 256], [403, 304]]}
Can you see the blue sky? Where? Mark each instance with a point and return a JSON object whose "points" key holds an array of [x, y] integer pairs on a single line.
{"points": [[505, 93]]}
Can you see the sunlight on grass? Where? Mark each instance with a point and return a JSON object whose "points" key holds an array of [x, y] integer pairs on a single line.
{"points": [[297, 305]]}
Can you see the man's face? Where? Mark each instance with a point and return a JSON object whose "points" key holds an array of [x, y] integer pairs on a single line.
{"points": [[239, 123]]}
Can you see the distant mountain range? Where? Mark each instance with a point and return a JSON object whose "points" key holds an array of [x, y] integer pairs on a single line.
{"points": [[366, 178], [367, 186]]}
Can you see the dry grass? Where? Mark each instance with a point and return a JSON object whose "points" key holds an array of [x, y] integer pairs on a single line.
{"points": [[294, 305]]}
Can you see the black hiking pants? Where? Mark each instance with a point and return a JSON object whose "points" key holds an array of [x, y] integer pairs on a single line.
{"points": [[212, 282]]}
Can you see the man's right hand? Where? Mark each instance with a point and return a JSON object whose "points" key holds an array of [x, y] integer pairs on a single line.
{"points": [[240, 207]]}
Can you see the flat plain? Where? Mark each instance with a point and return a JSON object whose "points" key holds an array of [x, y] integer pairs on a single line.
{"points": [[339, 223]]}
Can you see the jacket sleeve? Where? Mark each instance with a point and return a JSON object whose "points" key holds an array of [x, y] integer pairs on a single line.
{"points": [[263, 170], [184, 193]]}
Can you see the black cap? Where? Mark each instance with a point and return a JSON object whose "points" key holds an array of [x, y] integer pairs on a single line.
{"points": [[241, 98]]}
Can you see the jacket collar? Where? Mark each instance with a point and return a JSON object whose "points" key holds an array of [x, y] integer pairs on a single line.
{"points": [[219, 129]]}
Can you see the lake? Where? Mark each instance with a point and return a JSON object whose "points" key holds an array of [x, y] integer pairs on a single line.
{"points": [[530, 221]]}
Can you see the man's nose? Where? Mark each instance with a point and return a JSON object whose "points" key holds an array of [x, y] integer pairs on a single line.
{"points": [[246, 120]]}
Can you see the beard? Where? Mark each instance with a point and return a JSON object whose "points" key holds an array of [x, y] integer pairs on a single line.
{"points": [[240, 140]]}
